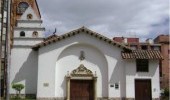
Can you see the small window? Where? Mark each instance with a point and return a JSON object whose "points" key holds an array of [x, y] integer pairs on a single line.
{"points": [[116, 86], [35, 34], [29, 16], [142, 65], [22, 34]]}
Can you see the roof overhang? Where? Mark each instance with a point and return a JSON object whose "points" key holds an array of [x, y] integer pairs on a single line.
{"points": [[81, 30]]}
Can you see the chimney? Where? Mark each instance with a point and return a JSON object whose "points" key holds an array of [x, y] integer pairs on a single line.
{"points": [[149, 40], [125, 40]]}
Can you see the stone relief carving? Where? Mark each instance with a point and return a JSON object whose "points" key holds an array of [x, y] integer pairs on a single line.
{"points": [[81, 71]]}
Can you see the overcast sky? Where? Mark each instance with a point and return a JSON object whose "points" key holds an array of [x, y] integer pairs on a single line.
{"points": [[135, 18]]}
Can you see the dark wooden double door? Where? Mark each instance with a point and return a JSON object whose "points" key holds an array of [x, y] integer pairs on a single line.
{"points": [[143, 90], [81, 90]]}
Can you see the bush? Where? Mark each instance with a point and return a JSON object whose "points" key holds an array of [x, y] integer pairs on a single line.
{"points": [[18, 88], [166, 92]]}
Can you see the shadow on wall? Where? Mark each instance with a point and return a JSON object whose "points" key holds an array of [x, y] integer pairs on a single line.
{"points": [[118, 77], [101, 62], [29, 72]]}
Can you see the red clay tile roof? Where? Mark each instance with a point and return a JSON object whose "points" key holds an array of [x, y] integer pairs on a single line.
{"points": [[142, 54], [82, 30], [50, 37]]}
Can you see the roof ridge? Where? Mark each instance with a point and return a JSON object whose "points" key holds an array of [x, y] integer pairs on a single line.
{"points": [[78, 31]]}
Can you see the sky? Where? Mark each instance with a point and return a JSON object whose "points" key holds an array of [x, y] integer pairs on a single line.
{"points": [[112, 18]]}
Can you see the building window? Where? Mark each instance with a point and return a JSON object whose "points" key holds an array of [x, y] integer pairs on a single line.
{"points": [[160, 68], [142, 65], [116, 86], [144, 47], [35, 34], [22, 34], [22, 6], [29, 16]]}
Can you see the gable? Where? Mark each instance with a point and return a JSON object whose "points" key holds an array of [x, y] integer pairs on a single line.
{"points": [[81, 30], [29, 11]]}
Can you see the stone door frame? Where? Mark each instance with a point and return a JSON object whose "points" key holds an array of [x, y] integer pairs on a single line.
{"points": [[81, 73]]}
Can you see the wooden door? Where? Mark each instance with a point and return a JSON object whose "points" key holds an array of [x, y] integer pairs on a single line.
{"points": [[143, 90], [81, 90]]}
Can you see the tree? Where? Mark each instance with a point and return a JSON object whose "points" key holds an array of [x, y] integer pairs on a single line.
{"points": [[18, 88]]}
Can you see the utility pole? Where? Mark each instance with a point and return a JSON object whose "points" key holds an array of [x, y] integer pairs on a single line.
{"points": [[8, 30], [0, 44], [4, 47], [1, 34]]}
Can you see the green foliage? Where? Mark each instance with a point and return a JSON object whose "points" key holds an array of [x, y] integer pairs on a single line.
{"points": [[18, 88], [166, 92]]}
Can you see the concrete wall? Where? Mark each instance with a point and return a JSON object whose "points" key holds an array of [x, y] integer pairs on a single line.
{"points": [[58, 58]]}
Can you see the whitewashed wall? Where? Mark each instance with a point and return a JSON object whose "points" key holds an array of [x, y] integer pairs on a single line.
{"points": [[23, 69], [29, 10], [131, 75], [24, 61], [27, 24], [56, 59], [28, 33]]}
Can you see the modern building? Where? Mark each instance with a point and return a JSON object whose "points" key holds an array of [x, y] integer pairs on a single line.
{"points": [[135, 44], [164, 40]]}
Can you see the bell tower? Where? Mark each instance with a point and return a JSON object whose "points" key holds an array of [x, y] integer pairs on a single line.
{"points": [[26, 31], [17, 9]]}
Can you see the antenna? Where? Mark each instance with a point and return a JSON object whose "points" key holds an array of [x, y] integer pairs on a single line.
{"points": [[55, 31]]}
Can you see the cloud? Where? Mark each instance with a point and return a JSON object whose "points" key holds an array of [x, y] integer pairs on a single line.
{"points": [[109, 17]]}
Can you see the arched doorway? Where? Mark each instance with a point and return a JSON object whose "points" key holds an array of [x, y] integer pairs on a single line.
{"points": [[81, 84]]}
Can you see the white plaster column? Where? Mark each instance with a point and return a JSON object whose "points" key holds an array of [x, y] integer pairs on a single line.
{"points": [[95, 87], [68, 87]]}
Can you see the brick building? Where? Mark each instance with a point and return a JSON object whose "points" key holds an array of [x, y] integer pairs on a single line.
{"points": [[164, 64], [135, 44]]}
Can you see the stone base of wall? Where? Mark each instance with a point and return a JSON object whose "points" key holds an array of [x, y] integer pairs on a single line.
{"points": [[106, 98], [101, 98], [134, 99], [156, 99], [24, 96], [59, 98]]}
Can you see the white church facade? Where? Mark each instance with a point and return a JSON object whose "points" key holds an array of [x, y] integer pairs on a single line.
{"points": [[80, 65]]}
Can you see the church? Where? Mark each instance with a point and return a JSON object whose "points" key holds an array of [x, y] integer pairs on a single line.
{"points": [[79, 65]]}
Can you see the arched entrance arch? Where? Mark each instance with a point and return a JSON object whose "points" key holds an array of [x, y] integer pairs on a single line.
{"points": [[79, 75]]}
